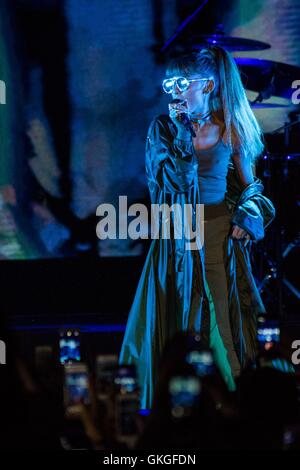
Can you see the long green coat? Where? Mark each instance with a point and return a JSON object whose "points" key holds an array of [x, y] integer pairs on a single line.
{"points": [[172, 293]]}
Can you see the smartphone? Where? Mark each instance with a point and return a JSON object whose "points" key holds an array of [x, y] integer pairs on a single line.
{"points": [[69, 346], [202, 362], [127, 407], [76, 389], [185, 392], [125, 379], [106, 366], [268, 332]]}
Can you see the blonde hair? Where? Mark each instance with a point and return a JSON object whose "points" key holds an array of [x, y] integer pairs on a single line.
{"points": [[228, 101]]}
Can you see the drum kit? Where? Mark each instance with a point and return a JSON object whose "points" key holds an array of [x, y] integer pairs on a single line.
{"points": [[276, 259]]}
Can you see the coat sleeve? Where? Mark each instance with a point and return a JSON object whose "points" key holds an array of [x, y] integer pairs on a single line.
{"points": [[170, 163], [250, 209], [254, 212]]}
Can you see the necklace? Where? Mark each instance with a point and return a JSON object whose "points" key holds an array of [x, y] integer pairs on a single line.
{"points": [[201, 118]]}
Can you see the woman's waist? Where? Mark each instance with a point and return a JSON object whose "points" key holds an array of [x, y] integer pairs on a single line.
{"points": [[212, 191], [219, 209]]}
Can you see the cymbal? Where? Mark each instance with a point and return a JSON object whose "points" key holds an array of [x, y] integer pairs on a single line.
{"points": [[275, 77], [229, 43]]}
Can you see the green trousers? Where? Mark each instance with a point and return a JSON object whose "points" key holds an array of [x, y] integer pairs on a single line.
{"points": [[216, 228]]}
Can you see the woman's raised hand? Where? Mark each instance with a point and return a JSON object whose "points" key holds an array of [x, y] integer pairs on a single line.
{"points": [[175, 112]]}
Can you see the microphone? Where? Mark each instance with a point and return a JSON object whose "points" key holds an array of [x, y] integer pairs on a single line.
{"points": [[184, 118]]}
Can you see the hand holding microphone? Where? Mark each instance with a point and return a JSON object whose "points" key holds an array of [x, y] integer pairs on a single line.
{"points": [[178, 112]]}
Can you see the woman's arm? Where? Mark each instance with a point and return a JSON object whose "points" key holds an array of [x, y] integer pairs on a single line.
{"points": [[170, 162], [244, 170], [253, 211]]}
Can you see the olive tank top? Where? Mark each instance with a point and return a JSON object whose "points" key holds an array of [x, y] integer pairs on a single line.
{"points": [[212, 172]]}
